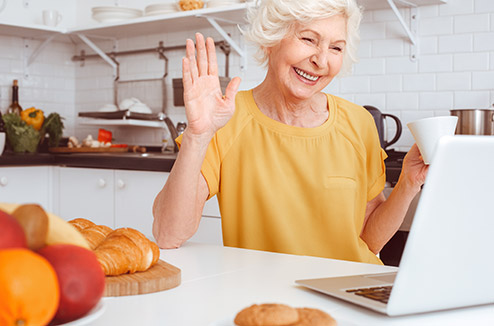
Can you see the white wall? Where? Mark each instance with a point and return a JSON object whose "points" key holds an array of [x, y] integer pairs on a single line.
{"points": [[455, 69], [48, 83], [455, 66]]}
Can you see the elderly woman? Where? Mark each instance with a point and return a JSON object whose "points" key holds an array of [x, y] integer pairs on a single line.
{"points": [[295, 170]]}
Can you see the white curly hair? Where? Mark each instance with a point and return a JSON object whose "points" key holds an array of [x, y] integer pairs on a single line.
{"points": [[271, 20]]}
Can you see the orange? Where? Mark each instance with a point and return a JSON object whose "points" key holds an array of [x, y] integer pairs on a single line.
{"points": [[29, 291]]}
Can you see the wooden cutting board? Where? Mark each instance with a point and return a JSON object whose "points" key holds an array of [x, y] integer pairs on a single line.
{"points": [[162, 276], [87, 149]]}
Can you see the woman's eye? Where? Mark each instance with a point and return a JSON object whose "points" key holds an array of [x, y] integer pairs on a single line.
{"points": [[307, 39], [336, 48]]}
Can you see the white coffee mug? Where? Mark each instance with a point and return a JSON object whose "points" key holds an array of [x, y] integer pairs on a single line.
{"points": [[51, 18], [428, 131], [2, 142]]}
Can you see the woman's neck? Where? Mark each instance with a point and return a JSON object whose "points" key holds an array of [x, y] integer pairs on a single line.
{"points": [[307, 113]]}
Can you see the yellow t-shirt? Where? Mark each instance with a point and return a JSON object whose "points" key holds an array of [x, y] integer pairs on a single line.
{"points": [[296, 190]]}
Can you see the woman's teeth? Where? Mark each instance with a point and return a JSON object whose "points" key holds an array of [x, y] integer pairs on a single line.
{"points": [[306, 75]]}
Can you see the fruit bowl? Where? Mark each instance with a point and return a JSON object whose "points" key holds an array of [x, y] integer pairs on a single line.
{"points": [[90, 317]]}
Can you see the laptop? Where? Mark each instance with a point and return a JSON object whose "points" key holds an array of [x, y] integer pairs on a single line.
{"points": [[448, 260]]}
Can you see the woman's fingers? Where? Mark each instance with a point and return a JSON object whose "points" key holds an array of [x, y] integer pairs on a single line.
{"points": [[186, 75], [202, 56], [190, 54], [206, 62], [212, 61]]}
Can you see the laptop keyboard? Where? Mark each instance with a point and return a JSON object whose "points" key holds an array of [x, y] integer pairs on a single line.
{"points": [[380, 293]]}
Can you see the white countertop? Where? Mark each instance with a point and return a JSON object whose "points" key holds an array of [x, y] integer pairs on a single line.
{"points": [[217, 282]]}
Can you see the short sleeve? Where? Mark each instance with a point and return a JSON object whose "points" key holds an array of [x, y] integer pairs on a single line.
{"points": [[211, 167], [375, 156], [377, 174]]}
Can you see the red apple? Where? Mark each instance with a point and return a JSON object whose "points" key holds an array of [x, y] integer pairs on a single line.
{"points": [[11, 232], [81, 279]]}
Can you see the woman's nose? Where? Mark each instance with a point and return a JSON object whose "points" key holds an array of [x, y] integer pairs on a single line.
{"points": [[320, 58]]}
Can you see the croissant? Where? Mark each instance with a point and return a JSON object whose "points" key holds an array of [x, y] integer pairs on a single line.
{"points": [[81, 223], [96, 234], [120, 251], [126, 250]]}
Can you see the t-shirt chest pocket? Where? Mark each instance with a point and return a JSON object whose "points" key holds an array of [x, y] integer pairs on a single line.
{"points": [[341, 196], [339, 183]]}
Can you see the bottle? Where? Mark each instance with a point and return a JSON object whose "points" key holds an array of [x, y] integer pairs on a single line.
{"points": [[15, 107]]}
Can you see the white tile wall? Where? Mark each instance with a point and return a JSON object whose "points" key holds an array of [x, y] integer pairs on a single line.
{"points": [[454, 69], [49, 83]]}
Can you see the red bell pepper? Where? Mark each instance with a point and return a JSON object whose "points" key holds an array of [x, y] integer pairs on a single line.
{"points": [[104, 136]]}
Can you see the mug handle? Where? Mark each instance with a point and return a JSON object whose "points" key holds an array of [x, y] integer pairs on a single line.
{"points": [[398, 130], [59, 18]]}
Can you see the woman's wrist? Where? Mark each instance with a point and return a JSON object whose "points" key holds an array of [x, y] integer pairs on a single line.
{"points": [[407, 187], [197, 141]]}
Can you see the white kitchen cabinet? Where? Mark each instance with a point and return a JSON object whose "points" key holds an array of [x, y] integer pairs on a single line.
{"points": [[209, 230], [27, 184], [116, 198], [134, 196], [123, 198], [87, 193]]}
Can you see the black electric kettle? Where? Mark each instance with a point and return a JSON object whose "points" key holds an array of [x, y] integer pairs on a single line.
{"points": [[379, 118]]}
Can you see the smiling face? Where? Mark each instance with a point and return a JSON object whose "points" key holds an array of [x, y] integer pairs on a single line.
{"points": [[308, 58]]}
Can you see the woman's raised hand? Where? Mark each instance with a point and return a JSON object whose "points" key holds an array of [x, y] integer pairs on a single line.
{"points": [[206, 108]]}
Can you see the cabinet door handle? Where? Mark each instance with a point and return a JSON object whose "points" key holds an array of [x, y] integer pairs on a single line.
{"points": [[120, 184], [4, 181], [101, 183]]}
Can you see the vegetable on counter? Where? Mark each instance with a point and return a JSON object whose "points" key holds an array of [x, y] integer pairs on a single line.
{"points": [[104, 136], [103, 141], [21, 136], [53, 126], [22, 132], [33, 117]]}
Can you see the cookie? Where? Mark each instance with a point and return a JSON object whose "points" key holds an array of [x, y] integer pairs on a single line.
{"points": [[267, 314], [313, 317]]}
